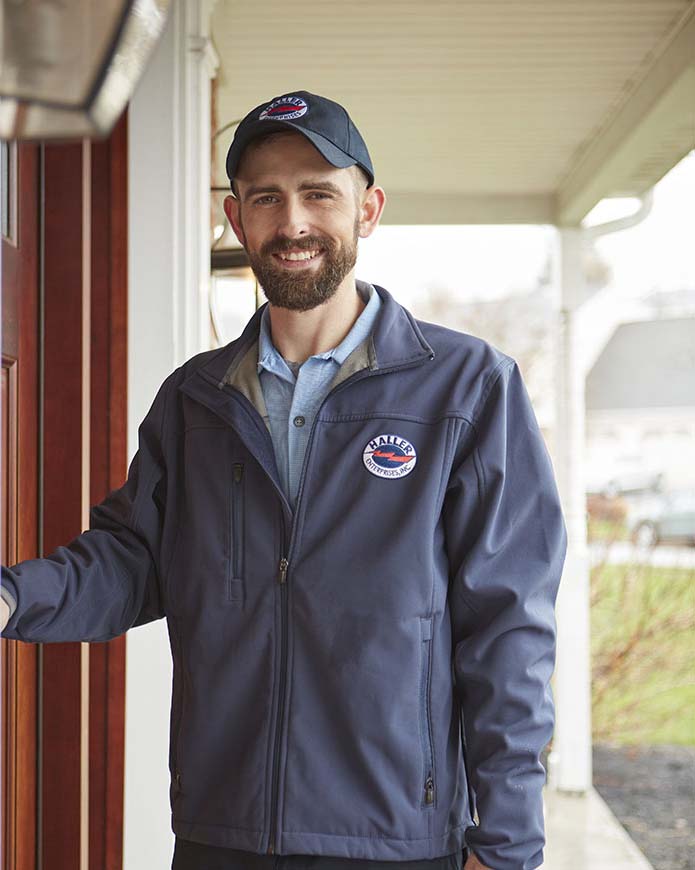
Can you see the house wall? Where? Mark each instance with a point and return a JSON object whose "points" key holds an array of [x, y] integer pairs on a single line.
{"points": [[168, 322], [629, 443], [152, 351]]}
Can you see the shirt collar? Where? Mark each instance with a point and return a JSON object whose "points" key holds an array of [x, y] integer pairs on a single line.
{"points": [[271, 359]]}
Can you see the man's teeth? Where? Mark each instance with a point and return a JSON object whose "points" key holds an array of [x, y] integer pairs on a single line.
{"points": [[304, 255]]}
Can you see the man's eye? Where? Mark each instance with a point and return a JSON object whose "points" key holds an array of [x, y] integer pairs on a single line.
{"points": [[320, 195], [265, 199]]}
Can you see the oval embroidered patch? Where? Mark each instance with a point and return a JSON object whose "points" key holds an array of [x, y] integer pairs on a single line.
{"points": [[388, 455]]}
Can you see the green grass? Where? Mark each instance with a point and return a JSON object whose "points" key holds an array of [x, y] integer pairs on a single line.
{"points": [[643, 654], [606, 530]]}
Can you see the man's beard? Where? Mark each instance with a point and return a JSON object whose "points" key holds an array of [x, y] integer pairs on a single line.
{"points": [[305, 289]]}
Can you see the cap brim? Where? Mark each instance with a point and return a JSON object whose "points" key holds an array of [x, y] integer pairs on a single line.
{"points": [[327, 149]]}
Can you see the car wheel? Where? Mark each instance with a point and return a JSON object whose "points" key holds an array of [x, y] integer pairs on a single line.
{"points": [[645, 535]]}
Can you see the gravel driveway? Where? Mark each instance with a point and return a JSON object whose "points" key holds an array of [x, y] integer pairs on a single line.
{"points": [[651, 789]]}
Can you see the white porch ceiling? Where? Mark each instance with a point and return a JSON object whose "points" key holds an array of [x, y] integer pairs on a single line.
{"points": [[479, 111]]}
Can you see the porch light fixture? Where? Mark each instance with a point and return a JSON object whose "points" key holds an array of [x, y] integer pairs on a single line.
{"points": [[69, 67]]}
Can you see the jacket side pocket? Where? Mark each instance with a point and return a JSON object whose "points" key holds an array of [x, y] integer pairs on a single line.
{"points": [[425, 723], [176, 785], [235, 581]]}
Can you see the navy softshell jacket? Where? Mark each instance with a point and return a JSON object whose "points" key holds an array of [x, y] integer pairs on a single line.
{"points": [[324, 659]]}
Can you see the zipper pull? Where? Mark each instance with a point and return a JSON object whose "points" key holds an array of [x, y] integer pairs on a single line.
{"points": [[238, 470], [177, 780], [283, 570], [429, 790]]}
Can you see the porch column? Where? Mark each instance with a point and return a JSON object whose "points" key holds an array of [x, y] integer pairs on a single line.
{"points": [[570, 761]]}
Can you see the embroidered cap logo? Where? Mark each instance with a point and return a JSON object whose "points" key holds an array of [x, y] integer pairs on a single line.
{"points": [[284, 109]]}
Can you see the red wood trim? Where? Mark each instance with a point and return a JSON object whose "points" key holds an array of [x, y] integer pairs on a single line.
{"points": [[63, 471], [20, 661], [85, 263], [109, 275]]}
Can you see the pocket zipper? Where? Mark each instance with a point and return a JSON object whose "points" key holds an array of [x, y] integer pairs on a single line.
{"points": [[425, 725], [235, 590], [176, 735]]}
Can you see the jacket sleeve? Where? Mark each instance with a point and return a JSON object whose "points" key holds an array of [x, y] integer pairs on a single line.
{"points": [[506, 542], [105, 580]]}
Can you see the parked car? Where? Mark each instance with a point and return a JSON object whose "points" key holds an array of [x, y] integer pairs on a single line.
{"points": [[665, 518], [627, 482]]}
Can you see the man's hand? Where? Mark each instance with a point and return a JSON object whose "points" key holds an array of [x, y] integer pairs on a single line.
{"points": [[4, 613], [473, 864]]}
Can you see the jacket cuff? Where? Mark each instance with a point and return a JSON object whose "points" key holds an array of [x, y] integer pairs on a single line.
{"points": [[9, 597]]}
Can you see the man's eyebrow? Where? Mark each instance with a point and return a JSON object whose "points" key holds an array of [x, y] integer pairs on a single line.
{"points": [[254, 191], [311, 184], [321, 185]]}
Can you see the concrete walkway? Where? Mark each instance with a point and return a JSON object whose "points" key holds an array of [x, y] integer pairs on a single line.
{"points": [[583, 834]]}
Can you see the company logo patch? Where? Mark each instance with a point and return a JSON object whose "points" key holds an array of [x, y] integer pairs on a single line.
{"points": [[284, 109], [389, 456]]}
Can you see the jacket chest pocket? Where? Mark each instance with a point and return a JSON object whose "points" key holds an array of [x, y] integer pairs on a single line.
{"points": [[235, 576], [428, 773]]}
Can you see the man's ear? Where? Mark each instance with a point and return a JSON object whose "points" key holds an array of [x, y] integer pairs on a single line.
{"points": [[232, 208], [373, 202]]}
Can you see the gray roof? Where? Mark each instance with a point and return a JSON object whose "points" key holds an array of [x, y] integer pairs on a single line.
{"points": [[646, 364]]}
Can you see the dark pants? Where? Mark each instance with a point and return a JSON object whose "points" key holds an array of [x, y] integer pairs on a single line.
{"points": [[197, 856]]}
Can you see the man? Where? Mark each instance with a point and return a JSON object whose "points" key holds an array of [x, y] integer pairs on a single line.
{"points": [[350, 521]]}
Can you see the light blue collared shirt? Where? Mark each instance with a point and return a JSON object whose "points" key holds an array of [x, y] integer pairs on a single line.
{"points": [[294, 392]]}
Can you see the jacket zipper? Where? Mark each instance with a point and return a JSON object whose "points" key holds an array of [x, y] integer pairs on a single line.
{"points": [[237, 532], [282, 580], [469, 785], [464, 755], [426, 730], [284, 565]]}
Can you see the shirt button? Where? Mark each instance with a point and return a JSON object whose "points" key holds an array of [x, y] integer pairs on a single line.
{"points": [[299, 421]]}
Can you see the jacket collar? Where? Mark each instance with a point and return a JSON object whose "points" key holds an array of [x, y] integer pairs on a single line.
{"points": [[396, 340]]}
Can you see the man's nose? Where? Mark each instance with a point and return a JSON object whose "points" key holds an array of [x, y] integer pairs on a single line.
{"points": [[293, 218]]}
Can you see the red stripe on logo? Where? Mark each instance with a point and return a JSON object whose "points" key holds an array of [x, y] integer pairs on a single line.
{"points": [[392, 456]]}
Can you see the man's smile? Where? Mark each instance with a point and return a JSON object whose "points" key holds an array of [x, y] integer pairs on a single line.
{"points": [[298, 259]]}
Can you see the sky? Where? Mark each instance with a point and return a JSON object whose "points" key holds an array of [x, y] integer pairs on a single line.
{"points": [[659, 253], [485, 262]]}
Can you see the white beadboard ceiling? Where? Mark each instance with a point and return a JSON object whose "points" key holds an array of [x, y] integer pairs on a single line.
{"points": [[479, 111]]}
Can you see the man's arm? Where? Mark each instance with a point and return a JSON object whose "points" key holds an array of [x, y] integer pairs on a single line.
{"points": [[106, 579], [506, 541]]}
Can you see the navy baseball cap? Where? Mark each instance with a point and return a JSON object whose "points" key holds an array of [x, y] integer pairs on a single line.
{"points": [[325, 123]]}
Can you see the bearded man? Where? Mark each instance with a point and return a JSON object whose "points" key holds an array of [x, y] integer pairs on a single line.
{"points": [[350, 521]]}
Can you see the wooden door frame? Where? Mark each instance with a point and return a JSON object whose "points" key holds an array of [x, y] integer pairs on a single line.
{"points": [[109, 453], [85, 203], [85, 365], [20, 265], [77, 733]]}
